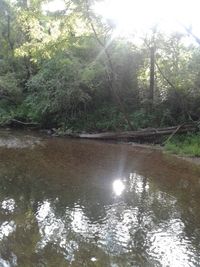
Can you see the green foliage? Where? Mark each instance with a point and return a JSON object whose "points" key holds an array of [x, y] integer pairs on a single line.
{"points": [[104, 118], [57, 90], [5, 115], [56, 70], [9, 85], [185, 145]]}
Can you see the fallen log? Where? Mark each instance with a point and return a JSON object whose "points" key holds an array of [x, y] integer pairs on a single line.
{"points": [[18, 123], [140, 134]]}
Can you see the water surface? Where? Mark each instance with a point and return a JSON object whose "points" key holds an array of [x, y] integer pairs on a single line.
{"points": [[81, 203]]}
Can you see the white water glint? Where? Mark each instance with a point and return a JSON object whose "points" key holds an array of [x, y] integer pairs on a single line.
{"points": [[118, 187]]}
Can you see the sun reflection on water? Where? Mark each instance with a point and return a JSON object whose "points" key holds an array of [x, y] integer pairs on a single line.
{"points": [[118, 187], [107, 217]]}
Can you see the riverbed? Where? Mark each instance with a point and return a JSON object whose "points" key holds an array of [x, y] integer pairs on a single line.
{"points": [[66, 202]]}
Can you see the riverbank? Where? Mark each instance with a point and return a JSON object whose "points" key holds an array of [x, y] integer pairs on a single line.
{"points": [[186, 147], [191, 159], [195, 160]]}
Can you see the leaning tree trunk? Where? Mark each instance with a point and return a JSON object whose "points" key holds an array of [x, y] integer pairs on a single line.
{"points": [[152, 76], [141, 135]]}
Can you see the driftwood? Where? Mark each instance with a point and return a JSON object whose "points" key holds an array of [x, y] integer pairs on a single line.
{"points": [[171, 135], [148, 133], [21, 123]]}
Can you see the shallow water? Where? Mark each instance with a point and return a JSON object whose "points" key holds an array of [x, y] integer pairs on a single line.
{"points": [[83, 203]]}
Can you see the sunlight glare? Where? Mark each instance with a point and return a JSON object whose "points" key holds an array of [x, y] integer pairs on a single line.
{"points": [[129, 15], [118, 187], [54, 5]]}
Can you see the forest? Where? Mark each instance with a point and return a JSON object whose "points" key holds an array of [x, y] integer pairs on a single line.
{"points": [[69, 70]]}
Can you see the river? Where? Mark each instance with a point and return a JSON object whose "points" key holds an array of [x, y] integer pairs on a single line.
{"points": [[66, 202]]}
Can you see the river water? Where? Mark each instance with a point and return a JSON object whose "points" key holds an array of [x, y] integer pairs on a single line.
{"points": [[83, 203]]}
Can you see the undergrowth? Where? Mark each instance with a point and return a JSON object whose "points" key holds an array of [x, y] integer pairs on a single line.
{"points": [[188, 145]]}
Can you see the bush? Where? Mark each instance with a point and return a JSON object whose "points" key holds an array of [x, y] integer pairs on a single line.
{"points": [[56, 92], [185, 145]]}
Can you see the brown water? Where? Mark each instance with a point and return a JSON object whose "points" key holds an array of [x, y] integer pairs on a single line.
{"points": [[84, 203]]}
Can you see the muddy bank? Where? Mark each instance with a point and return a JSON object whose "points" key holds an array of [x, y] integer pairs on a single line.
{"points": [[195, 160], [8, 139]]}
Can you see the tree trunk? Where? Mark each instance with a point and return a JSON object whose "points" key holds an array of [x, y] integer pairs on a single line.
{"points": [[141, 134], [152, 76]]}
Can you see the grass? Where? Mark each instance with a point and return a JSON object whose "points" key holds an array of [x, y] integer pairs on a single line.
{"points": [[186, 145]]}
